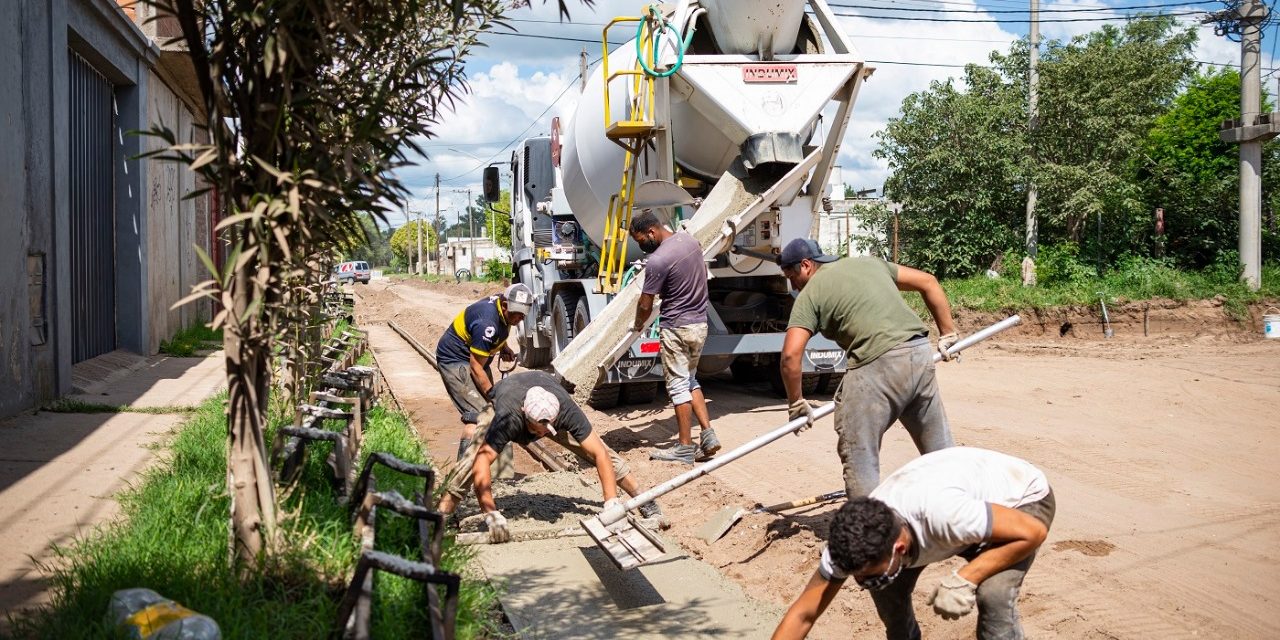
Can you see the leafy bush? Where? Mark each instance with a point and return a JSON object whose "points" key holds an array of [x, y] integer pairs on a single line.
{"points": [[1060, 265], [496, 270]]}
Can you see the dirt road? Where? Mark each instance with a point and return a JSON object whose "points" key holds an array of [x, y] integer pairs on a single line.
{"points": [[1162, 451]]}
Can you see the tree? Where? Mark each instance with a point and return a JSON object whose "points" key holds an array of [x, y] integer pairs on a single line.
{"points": [[961, 157], [310, 107], [404, 242], [374, 245], [1100, 94], [1194, 176], [957, 170], [497, 218]]}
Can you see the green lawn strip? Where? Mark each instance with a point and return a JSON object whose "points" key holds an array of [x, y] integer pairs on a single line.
{"points": [[187, 342], [1138, 282], [171, 536], [71, 405]]}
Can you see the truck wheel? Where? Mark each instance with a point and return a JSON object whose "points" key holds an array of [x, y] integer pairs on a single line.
{"points": [[639, 393], [605, 396], [563, 310], [746, 372], [808, 384], [532, 357]]}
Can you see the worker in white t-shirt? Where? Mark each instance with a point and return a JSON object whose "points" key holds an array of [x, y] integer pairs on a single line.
{"points": [[991, 509]]}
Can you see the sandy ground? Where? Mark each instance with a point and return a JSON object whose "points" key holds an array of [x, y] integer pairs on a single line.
{"points": [[1161, 450]]}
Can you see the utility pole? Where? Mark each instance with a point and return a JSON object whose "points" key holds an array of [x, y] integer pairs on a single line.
{"points": [[582, 71], [471, 224], [419, 270], [1251, 130], [1033, 98], [438, 248]]}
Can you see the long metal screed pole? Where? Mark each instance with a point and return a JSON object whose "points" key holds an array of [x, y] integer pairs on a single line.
{"points": [[761, 441]]}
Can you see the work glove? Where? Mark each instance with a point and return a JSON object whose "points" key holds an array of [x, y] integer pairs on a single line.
{"points": [[497, 524], [946, 342], [801, 409], [612, 513], [954, 597]]}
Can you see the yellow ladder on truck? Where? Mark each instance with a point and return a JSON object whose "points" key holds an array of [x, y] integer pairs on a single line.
{"points": [[632, 134]]}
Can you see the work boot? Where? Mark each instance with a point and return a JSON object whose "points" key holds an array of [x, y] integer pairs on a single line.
{"points": [[708, 444], [652, 515], [679, 453]]}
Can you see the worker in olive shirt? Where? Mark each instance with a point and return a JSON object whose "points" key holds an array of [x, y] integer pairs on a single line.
{"points": [[468, 345], [855, 302], [528, 406], [991, 509]]}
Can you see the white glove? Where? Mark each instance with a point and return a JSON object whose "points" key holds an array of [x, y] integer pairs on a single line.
{"points": [[946, 342], [497, 524], [955, 597], [801, 409], [612, 512]]}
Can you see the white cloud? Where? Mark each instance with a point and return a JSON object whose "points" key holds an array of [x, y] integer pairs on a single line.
{"points": [[516, 79]]}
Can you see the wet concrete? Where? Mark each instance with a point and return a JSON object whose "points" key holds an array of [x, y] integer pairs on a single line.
{"points": [[569, 588]]}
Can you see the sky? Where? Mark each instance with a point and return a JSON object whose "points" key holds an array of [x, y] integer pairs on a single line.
{"points": [[520, 80]]}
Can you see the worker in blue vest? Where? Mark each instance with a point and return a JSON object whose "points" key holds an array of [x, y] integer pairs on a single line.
{"points": [[468, 346]]}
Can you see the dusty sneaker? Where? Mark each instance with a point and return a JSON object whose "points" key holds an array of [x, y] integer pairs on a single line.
{"points": [[679, 453], [652, 515], [708, 444]]}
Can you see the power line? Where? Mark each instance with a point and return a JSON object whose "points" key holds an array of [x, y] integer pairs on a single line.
{"points": [[993, 11], [1124, 18]]}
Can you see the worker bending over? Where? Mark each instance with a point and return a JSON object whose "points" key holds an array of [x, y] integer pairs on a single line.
{"points": [[890, 377], [468, 345], [676, 272], [528, 406], [992, 509]]}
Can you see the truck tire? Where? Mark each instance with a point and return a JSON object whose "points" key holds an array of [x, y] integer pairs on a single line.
{"points": [[563, 310], [639, 392], [532, 357], [808, 383], [746, 372], [605, 396]]}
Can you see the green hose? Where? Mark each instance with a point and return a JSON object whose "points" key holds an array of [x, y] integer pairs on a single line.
{"points": [[657, 38]]}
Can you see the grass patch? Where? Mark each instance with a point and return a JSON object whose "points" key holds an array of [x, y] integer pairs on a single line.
{"points": [[1130, 281], [172, 537], [71, 405], [186, 342]]}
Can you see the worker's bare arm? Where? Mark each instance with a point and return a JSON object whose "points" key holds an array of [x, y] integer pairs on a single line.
{"points": [[1014, 536], [595, 448], [934, 297], [643, 309], [482, 480], [792, 354], [815, 598], [479, 375]]}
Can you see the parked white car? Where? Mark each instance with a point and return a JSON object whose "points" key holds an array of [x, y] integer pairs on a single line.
{"points": [[353, 271]]}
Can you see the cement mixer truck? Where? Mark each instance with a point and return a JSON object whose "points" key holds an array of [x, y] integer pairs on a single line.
{"points": [[723, 116]]}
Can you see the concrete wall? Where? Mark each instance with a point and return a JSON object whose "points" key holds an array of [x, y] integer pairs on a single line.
{"points": [[174, 224], [35, 291]]}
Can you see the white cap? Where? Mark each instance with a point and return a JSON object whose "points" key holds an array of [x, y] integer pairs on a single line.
{"points": [[542, 406]]}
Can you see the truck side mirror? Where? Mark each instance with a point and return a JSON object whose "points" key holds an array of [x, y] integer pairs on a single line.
{"points": [[492, 189]]}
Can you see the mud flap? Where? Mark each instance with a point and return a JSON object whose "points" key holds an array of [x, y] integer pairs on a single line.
{"points": [[628, 543]]}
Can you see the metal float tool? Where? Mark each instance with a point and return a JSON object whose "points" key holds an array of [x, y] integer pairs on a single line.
{"points": [[629, 544]]}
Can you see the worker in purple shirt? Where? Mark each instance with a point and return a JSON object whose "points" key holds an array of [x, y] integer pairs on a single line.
{"points": [[675, 271]]}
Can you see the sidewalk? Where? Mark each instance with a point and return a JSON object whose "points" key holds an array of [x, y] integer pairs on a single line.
{"points": [[59, 472]]}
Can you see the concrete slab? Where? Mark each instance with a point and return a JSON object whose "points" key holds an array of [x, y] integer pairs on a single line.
{"points": [[120, 378], [58, 475], [568, 588]]}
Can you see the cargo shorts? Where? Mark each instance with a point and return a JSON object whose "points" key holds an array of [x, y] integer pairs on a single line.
{"points": [[681, 350]]}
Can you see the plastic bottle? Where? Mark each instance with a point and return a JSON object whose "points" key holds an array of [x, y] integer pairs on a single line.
{"points": [[147, 615]]}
